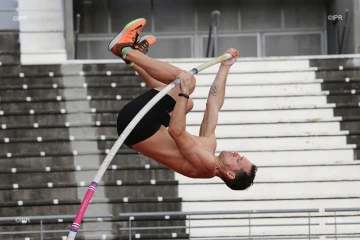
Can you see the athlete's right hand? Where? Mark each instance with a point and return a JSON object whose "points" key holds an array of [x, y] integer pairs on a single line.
{"points": [[187, 84], [231, 61]]}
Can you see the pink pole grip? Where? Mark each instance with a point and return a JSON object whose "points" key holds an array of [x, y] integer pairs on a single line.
{"points": [[84, 204]]}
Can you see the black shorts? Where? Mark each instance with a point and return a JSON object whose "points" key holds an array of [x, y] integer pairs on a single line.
{"points": [[151, 122]]}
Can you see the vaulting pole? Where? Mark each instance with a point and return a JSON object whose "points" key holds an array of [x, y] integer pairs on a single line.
{"points": [[90, 192]]}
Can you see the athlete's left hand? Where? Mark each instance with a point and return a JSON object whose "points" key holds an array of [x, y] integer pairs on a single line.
{"points": [[231, 61], [187, 83]]}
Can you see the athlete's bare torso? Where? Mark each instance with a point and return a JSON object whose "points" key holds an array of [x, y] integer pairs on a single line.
{"points": [[163, 149]]}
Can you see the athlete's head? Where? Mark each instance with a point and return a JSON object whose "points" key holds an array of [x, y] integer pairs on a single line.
{"points": [[236, 171]]}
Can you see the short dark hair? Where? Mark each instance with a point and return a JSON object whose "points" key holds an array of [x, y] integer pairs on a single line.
{"points": [[242, 179]]}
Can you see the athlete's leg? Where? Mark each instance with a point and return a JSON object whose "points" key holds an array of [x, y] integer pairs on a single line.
{"points": [[150, 81], [124, 45], [161, 71]]}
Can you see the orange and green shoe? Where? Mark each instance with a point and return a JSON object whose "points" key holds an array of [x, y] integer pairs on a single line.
{"points": [[142, 45], [127, 37]]}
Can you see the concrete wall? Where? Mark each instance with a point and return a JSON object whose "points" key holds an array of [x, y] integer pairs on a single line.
{"points": [[8, 15], [42, 33]]}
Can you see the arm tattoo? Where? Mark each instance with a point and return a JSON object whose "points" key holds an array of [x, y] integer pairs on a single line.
{"points": [[214, 90]]}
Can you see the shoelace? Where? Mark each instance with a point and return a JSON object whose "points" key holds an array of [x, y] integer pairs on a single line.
{"points": [[144, 48]]}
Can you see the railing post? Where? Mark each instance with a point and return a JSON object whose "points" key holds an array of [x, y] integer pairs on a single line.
{"points": [[77, 32], [344, 31], [335, 225], [189, 227], [209, 42], [130, 228], [249, 225], [309, 225], [41, 230], [215, 41]]}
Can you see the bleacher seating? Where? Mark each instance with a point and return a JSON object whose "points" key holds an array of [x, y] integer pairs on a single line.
{"points": [[54, 142], [281, 115], [57, 124], [295, 118], [9, 48]]}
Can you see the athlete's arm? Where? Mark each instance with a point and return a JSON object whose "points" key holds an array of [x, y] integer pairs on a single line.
{"points": [[185, 142], [177, 126], [216, 97], [214, 103]]}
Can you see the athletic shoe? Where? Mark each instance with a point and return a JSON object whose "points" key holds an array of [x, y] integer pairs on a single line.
{"points": [[142, 45], [127, 37]]}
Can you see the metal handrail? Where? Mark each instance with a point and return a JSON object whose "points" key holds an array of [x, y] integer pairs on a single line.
{"points": [[336, 235], [146, 214], [342, 209], [344, 235], [213, 31], [131, 217], [56, 231], [335, 210], [285, 237], [51, 217], [221, 226], [347, 223]]}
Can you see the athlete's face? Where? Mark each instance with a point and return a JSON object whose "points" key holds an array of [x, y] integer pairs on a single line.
{"points": [[234, 161]]}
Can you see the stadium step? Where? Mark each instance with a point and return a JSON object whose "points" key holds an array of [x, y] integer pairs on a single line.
{"points": [[221, 131], [294, 174], [237, 77], [9, 58], [232, 143], [285, 190], [49, 206], [63, 191], [123, 176], [9, 42], [247, 64], [125, 158]]}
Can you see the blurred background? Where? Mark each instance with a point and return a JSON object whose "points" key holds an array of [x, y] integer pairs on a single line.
{"points": [[259, 28]]}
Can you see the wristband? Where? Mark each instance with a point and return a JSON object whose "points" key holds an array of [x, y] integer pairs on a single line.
{"points": [[184, 95]]}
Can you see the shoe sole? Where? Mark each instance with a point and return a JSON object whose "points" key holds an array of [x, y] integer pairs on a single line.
{"points": [[116, 39]]}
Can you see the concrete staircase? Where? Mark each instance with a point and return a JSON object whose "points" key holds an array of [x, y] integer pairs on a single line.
{"points": [[294, 118], [57, 124]]}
